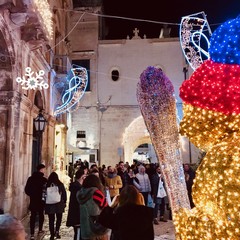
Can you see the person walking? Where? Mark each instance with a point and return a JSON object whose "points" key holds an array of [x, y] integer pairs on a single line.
{"points": [[128, 217], [34, 188], [55, 209], [92, 200], [73, 217]]}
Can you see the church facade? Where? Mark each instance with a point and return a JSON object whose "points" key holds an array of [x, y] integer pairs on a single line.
{"points": [[107, 126]]}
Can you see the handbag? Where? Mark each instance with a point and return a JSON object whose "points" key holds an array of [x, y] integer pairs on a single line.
{"points": [[161, 191], [52, 194], [150, 202], [97, 228], [108, 198]]}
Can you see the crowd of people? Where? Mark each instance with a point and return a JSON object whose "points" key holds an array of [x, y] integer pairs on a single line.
{"points": [[146, 179], [125, 199]]}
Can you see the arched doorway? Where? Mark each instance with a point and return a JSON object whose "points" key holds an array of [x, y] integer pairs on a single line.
{"points": [[37, 136], [135, 135], [145, 153]]}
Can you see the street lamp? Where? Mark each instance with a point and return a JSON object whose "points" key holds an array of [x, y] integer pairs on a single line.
{"points": [[39, 123]]}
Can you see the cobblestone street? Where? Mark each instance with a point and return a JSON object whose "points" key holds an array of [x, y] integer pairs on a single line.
{"points": [[163, 231]]}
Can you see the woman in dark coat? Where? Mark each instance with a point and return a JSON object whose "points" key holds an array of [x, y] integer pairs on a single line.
{"points": [[130, 220], [73, 217], [56, 209]]}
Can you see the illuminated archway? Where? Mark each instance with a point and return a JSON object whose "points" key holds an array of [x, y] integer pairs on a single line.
{"points": [[135, 134]]}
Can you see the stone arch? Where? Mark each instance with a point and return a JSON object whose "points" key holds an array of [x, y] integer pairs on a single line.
{"points": [[7, 57], [135, 134], [8, 40], [38, 100]]}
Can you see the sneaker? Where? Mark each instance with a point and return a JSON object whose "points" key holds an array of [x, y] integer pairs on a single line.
{"points": [[155, 221], [162, 219]]}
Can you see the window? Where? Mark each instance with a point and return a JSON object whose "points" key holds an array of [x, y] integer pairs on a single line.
{"points": [[81, 134], [115, 75], [86, 64], [145, 145]]}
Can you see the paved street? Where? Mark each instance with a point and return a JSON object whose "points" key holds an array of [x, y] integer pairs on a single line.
{"points": [[163, 231]]}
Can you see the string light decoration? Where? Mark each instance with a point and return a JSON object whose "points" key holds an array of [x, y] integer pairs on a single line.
{"points": [[45, 14], [76, 88], [192, 36], [226, 42], [155, 95], [32, 80], [211, 106]]}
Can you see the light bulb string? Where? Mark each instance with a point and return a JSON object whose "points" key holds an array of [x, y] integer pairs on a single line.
{"points": [[128, 18]]}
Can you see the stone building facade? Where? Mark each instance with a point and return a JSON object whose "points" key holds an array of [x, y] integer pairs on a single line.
{"points": [[30, 33], [108, 117]]}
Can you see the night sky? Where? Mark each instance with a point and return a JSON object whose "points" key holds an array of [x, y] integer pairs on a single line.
{"points": [[217, 11]]}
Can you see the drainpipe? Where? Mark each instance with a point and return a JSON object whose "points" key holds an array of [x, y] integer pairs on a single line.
{"points": [[185, 71]]}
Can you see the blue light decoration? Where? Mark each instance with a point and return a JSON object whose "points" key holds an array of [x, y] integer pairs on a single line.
{"points": [[194, 40], [225, 43], [77, 83]]}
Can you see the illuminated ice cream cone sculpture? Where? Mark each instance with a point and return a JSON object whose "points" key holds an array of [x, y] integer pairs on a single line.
{"points": [[155, 94]]}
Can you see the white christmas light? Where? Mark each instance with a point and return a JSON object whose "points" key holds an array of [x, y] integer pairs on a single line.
{"points": [[192, 37], [45, 13], [76, 88], [32, 82], [155, 95]]}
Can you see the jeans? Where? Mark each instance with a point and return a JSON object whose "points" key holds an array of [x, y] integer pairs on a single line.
{"points": [[159, 205], [76, 230], [33, 220]]}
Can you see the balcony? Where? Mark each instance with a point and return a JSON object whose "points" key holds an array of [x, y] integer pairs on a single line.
{"points": [[61, 65], [34, 18]]}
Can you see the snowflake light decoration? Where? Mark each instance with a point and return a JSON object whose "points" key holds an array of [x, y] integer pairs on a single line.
{"points": [[32, 82]]}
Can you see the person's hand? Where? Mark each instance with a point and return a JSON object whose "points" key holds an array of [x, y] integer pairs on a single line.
{"points": [[115, 201]]}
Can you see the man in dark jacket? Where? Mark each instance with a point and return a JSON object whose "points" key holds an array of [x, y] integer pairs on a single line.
{"points": [[159, 194], [189, 177], [34, 189], [123, 173]]}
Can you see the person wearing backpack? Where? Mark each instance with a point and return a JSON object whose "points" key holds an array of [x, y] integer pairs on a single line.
{"points": [[34, 189], [92, 200], [55, 209]]}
